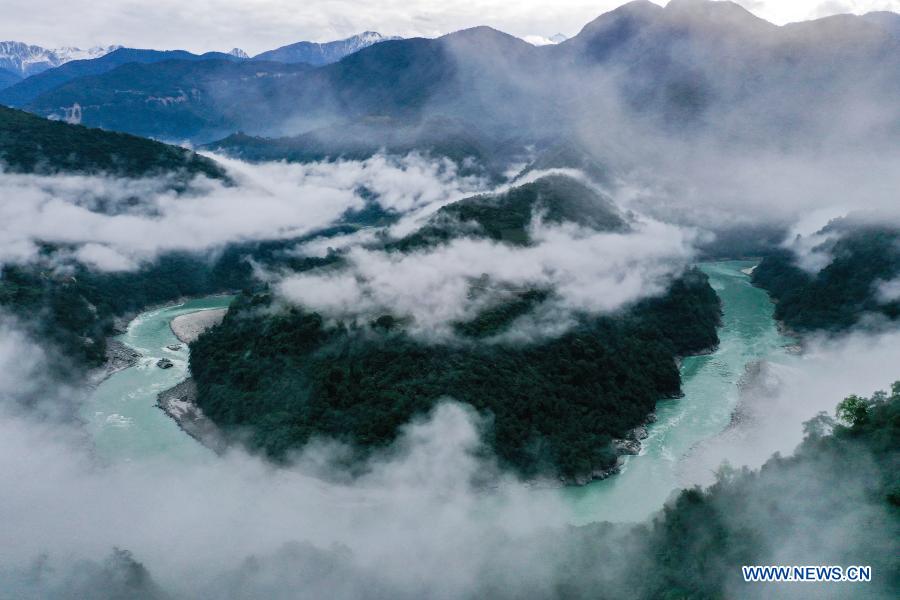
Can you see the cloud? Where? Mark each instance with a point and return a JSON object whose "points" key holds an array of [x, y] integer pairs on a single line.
{"points": [[115, 224], [588, 271], [419, 519], [889, 291], [203, 25], [780, 395]]}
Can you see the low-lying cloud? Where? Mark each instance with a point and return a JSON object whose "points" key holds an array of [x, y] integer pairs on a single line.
{"points": [[588, 271], [116, 224]]}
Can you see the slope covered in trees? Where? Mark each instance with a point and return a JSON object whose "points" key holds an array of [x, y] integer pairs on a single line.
{"points": [[555, 405], [30, 144], [506, 217], [863, 260], [836, 501]]}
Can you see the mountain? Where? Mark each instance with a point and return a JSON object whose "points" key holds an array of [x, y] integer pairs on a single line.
{"points": [[889, 21], [8, 78], [326, 53], [689, 68], [506, 217], [31, 144], [26, 60], [283, 375], [396, 79], [359, 139], [173, 99], [860, 282], [30, 88]]}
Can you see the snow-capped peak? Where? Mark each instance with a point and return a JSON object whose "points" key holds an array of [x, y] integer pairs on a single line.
{"points": [[540, 40], [25, 59]]}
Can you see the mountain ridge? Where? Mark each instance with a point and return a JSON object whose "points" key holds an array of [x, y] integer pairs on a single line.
{"points": [[323, 53]]}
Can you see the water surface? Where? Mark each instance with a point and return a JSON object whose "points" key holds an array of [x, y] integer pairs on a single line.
{"points": [[122, 415], [710, 386]]}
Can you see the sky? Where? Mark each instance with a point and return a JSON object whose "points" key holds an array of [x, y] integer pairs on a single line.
{"points": [[258, 25]]}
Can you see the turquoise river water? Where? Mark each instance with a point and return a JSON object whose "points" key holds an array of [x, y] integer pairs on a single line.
{"points": [[126, 425]]}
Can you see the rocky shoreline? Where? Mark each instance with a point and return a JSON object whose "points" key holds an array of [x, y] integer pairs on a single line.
{"points": [[118, 358], [178, 402], [630, 445]]}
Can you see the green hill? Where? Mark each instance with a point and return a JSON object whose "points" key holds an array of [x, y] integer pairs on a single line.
{"points": [[31, 144], [506, 217], [841, 294]]}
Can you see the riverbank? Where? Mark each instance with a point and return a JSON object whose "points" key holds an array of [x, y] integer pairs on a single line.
{"points": [[179, 403], [188, 328], [119, 357]]}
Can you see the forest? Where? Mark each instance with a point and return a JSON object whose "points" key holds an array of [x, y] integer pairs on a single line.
{"points": [[554, 406], [31, 144], [838, 296]]}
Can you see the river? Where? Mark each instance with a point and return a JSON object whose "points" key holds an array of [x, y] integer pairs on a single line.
{"points": [[122, 415], [126, 424]]}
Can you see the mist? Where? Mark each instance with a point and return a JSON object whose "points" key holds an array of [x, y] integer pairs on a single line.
{"points": [[112, 224]]}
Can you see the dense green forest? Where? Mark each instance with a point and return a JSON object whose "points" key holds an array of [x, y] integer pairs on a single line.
{"points": [[31, 144], [839, 295], [506, 217], [554, 405], [75, 311]]}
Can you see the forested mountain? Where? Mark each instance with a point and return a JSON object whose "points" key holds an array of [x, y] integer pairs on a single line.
{"points": [[30, 144], [37, 84], [75, 310], [506, 217], [556, 403], [358, 139], [8, 78], [863, 261], [172, 99], [691, 66]]}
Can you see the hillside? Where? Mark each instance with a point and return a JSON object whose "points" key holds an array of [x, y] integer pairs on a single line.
{"points": [[287, 374], [35, 85], [863, 260], [507, 217], [556, 404], [691, 67], [172, 99], [30, 144]]}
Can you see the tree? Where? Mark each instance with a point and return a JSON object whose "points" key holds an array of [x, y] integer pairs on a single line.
{"points": [[853, 410]]}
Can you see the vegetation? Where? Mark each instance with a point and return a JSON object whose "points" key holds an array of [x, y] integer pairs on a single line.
{"points": [[840, 294], [75, 309], [555, 405], [836, 501], [506, 217], [30, 144]]}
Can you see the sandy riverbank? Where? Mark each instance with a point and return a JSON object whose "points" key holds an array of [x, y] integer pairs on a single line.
{"points": [[188, 328]]}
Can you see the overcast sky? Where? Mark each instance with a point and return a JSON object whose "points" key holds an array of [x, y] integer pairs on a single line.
{"points": [[257, 25]]}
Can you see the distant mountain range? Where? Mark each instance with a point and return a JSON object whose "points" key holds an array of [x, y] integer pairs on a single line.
{"points": [[692, 66], [25, 60], [34, 70], [323, 54]]}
